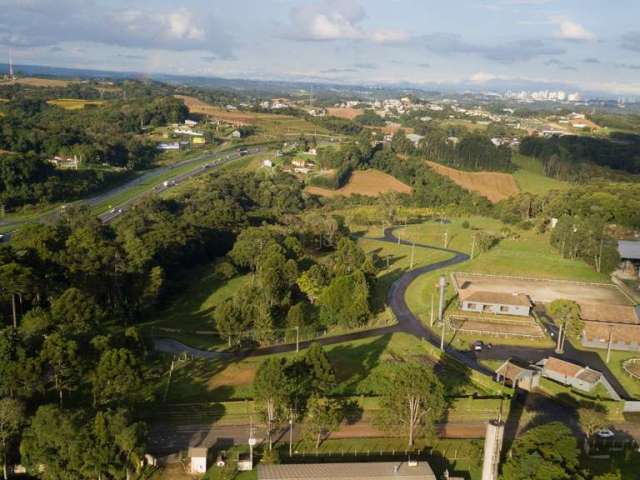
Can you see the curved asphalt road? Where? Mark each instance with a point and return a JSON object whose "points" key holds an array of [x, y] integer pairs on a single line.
{"points": [[408, 322]]}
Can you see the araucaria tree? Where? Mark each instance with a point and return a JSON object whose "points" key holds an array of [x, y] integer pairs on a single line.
{"points": [[412, 399], [271, 387], [11, 420], [566, 314], [323, 417]]}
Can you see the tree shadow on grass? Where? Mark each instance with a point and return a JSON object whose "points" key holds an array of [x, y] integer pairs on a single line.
{"points": [[353, 364]]}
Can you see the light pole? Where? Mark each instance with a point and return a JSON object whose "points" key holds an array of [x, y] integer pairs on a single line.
{"points": [[297, 338], [290, 433], [442, 284], [252, 441], [413, 247]]}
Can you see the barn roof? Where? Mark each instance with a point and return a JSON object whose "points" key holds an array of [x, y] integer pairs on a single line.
{"points": [[629, 250], [351, 471]]}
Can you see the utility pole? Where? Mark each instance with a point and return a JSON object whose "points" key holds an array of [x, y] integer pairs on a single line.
{"points": [[297, 338], [399, 233], [252, 441], [442, 283], [290, 433], [446, 234], [413, 247], [473, 247], [609, 345], [432, 310]]}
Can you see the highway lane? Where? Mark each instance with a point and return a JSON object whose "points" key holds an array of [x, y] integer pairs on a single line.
{"points": [[216, 160]]}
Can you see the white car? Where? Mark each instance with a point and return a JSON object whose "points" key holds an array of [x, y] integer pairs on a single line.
{"points": [[605, 433]]}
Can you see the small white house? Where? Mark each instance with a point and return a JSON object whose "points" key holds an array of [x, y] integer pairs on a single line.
{"points": [[236, 134], [198, 457], [190, 123], [169, 146], [267, 163]]}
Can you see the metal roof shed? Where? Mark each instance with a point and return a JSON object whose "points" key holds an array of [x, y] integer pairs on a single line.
{"points": [[350, 471]]}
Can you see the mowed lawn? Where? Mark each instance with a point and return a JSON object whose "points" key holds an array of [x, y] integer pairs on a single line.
{"points": [[395, 260], [196, 296], [531, 179], [355, 364]]}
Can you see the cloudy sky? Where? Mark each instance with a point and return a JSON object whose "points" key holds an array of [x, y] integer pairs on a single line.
{"points": [[587, 44]]}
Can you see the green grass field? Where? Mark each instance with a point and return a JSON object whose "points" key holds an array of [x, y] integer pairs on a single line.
{"points": [[531, 179], [199, 293], [630, 384]]}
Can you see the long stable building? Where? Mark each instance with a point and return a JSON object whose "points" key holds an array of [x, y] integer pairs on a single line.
{"points": [[348, 471]]}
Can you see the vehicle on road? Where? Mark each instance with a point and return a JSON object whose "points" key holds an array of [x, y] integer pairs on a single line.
{"points": [[478, 346], [1, 238], [168, 183], [243, 151], [605, 433]]}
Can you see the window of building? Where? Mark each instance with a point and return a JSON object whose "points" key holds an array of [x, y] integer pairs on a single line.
{"points": [[504, 309], [471, 305]]}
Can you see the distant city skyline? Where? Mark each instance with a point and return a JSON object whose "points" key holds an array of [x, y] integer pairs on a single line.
{"points": [[566, 45]]}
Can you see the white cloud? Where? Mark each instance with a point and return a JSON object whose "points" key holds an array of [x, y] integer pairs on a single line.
{"points": [[49, 22], [484, 77], [573, 31], [332, 20]]}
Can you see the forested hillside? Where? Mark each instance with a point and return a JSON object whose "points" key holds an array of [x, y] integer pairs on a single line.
{"points": [[106, 141], [574, 158]]}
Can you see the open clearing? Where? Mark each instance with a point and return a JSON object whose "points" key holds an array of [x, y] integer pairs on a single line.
{"points": [[367, 182], [348, 113], [495, 186], [74, 103], [530, 176], [39, 82], [268, 124], [198, 106]]}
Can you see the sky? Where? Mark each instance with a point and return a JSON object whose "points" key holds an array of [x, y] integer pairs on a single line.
{"points": [[587, 45]]}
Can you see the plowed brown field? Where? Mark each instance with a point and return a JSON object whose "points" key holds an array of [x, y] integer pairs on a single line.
{"points": [[348, 113], [368, 182], [495, 186]]}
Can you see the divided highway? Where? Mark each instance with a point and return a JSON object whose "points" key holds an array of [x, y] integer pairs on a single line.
{"points": [[201, 164]]}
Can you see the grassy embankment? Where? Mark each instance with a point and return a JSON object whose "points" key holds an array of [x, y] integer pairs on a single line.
{"points": [[531, 178]]}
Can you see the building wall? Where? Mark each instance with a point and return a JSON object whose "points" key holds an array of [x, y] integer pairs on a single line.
{"points": [[627, 347], [198, 465], [496, 309]]}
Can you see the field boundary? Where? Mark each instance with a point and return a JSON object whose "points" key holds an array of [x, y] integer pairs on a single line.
{"points": [[625, 367], [535, 279]]}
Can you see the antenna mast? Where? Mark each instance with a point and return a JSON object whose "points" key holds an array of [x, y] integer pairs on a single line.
{"points": [[11, 76]]}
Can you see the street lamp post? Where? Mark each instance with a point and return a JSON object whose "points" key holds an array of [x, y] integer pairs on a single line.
{"points": [[290, 434], [442, 284], [297, 338]]}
